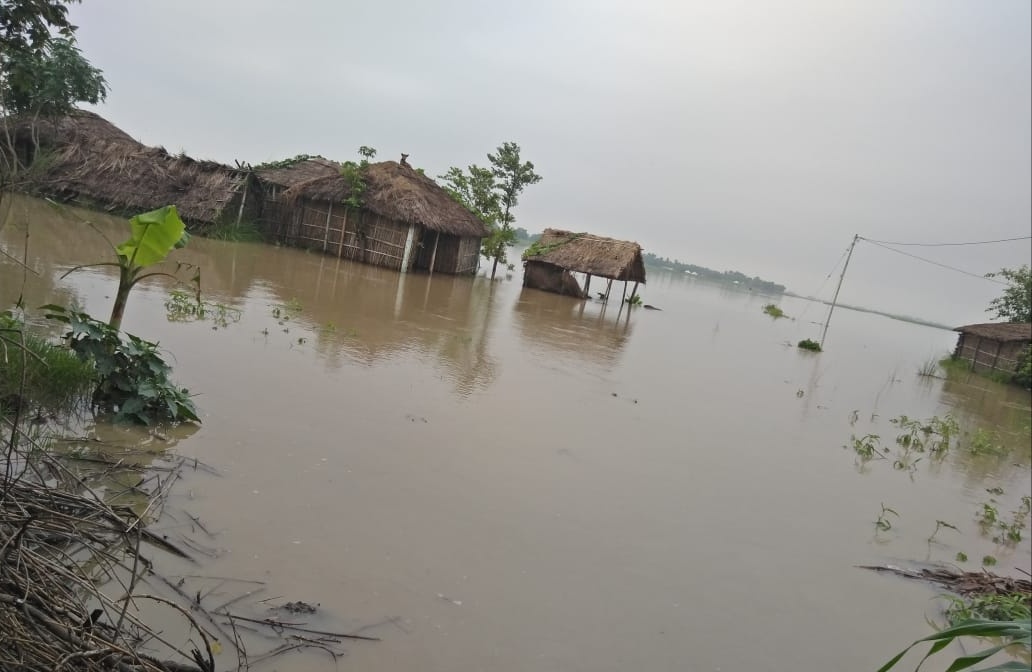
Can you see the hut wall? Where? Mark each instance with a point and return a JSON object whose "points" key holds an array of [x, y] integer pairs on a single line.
{"points": [[339, 231], [986, 354], [454, 254], [551, 278]]}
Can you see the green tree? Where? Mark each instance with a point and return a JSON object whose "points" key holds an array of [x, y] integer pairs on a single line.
{"points": [[50, 82], [42, 71], [1015, 305], [474, 189], [512, 176]]}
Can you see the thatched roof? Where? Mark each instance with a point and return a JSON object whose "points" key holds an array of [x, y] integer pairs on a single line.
{"points": [[400, 193], [585, 253], [1004, 332], [96, 161], [295, 173]]}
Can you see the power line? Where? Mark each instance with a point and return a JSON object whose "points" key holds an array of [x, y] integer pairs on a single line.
{"points": [[977, 242], [934, 263]]}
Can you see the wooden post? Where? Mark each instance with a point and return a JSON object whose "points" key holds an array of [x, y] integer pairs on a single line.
{"points": [[996, 357], [974, 359], [433, 255], [243, 199], [623, 299], [409, 243], [326, 236], [634, 292], [343, 226], [609, 288], [587, 285]]}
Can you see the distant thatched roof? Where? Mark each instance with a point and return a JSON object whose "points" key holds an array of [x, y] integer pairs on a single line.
{"points": [[295, 173], [585, 253], [400, 193], [1000, 331], [94, 160]]}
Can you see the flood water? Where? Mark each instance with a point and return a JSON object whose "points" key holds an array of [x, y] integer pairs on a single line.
{"points": [[505, 479]]}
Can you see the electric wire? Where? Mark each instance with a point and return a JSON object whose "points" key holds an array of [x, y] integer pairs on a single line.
{"points": [[976, 242], [934, 263]]}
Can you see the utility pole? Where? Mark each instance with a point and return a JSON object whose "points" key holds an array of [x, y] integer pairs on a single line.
{"points": [[834, 299]]}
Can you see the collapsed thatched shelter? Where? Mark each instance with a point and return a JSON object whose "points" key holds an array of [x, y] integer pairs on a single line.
{"points": [[993, 346], [406, 220], [83, 158], [549, 263]]}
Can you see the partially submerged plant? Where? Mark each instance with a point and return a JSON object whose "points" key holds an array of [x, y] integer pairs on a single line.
{"points": [[134, 380], [940, 524], [811, 345], [1017, 632], [774, 311], [882, 523], [153, 236]]}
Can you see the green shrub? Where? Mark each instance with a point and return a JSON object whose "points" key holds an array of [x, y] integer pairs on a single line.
{"points": [[45, 377], [133, 379]]}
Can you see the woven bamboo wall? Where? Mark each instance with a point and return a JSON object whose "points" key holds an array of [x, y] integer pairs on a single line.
{"points": [[337, 230], [986, 354]]}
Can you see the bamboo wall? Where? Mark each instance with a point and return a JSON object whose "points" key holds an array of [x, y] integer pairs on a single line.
{"points": [[986, 354], [364, 236], [367, 237]]}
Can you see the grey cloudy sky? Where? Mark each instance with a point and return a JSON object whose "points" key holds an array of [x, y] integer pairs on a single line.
{"points": [[756, 136]]}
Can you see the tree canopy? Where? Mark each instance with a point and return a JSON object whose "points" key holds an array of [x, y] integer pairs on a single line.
{"points": [[1015, 304]]}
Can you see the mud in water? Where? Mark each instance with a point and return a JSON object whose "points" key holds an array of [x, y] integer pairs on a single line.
{"points": [[503, 479]]}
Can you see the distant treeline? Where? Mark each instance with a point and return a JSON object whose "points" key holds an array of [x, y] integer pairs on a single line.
{"points": [[728, 277]]}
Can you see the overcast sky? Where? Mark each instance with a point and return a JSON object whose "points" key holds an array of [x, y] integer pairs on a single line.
{"points": [[756, 136]]}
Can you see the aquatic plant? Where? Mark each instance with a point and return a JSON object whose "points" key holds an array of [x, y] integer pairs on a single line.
{"points": [[774, 311], [940, 524], [883, 523], [992, 607], [866, 447], [181, 306], [929, 369], [811, 345], [244, 231], [634, 300], [39, 375]]}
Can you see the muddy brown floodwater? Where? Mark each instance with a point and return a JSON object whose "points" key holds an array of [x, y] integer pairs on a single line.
{"points": [[507, 480]]}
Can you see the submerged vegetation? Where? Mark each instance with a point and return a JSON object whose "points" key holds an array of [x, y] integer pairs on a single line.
{"points": [[774, 311], [809, 344], [39, 376], [133, 379], [243, 231]]}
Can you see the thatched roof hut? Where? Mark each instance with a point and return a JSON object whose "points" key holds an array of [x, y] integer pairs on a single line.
{"points": [[406, 221], [91, 161], [994, 346], [550, 262], [293, 172], [399, 193]]}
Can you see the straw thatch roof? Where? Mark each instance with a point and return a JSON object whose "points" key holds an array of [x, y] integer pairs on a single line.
{"points": [[400, 193], [93, 160], [1004, 332], [585, 253], [292, 173]]}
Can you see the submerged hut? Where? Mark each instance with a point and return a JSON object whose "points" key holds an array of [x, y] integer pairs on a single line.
{"points": [[84, 159], [993, 346], [550, 263], [406, 221]]}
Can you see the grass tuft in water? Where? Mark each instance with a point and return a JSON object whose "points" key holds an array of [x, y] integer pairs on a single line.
{"points": [[55, 379], [774, 311]]}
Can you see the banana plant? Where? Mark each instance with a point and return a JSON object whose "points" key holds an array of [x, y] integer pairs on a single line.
{"points": [[153, 235]]}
